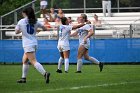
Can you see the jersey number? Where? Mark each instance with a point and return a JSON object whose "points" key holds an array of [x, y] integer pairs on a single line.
{"points": [[30, 29], [60, 32], [80, 32]]}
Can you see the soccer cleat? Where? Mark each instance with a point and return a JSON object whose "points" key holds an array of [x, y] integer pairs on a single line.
{"points": [[66, 71], [47, 77], [22, 80], [101, 65], [59, 71], [78, 72]]}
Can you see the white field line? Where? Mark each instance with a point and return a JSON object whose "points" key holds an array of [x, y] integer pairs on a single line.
{"points": [[81, 87]]}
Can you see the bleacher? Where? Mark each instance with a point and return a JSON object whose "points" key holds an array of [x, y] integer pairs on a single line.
{"points": [[116, 26]]}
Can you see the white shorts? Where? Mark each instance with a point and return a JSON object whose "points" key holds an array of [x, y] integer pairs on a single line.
{"points": [[30, 49], [62, 48]]}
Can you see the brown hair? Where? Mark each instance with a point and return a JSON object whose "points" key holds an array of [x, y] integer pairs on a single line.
{"points": [[30, 14], [84, 17]]}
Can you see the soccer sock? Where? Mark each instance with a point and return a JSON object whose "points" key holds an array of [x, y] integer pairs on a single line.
{"points": [[60, 63], [39, 68], [25, 68], [79, 64], [66, 64], [94, 60]]}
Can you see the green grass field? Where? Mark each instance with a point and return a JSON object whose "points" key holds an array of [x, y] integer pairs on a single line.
{"points": [[113, 79]]}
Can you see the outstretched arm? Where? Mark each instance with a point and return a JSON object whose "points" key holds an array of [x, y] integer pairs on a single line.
{"points": [[74, 34], [78, 26], [41, 27], [44, 28]]}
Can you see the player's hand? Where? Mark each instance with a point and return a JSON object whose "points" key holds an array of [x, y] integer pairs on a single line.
{"points": [[39, 30], [85, 40]]}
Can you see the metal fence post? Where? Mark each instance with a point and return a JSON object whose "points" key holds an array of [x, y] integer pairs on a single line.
{"points": [[58, 33], [0, 27], [33, 5], [84, 6], [118, 4], [131, 31], [94, 28], [15, 17], [52, 3]]}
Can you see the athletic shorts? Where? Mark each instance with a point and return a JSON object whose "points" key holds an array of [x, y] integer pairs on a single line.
{"points": [[62, 48], [30, 49]]}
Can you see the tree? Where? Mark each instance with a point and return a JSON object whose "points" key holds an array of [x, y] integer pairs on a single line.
{"points": [[9, 5], [60, 3], [130, 3]]}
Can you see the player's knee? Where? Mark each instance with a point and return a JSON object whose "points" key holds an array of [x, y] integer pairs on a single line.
{"points": [[61, 58], [25, 62], [79, 56], [33, 61], [86, 57]]}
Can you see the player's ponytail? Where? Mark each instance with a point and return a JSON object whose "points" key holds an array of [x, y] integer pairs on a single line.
{"points": [[31, 15]]}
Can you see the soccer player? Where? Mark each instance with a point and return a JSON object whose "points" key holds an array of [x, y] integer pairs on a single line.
{"points": [[28, 26], [63, 43], [85, 33]]}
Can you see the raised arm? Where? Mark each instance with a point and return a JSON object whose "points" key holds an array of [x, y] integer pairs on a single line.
{"points": [[78, 26], [41, 27], [74, 34]]}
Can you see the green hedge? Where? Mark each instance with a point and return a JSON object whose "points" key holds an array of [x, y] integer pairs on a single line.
{"points": [[9, 5]]}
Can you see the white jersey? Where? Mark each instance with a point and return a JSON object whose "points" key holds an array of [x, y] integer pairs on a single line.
{"points": [[83, 31], [64, 35], [28, 32]]}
